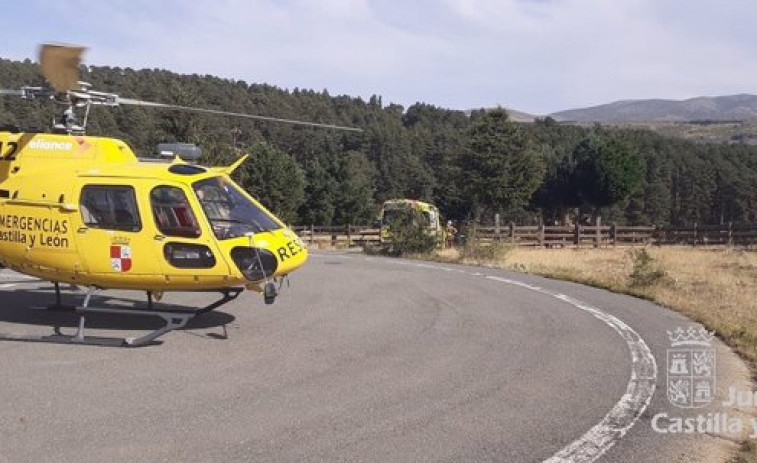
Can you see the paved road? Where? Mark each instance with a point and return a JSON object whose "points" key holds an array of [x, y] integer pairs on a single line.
{"points": [[362, 359]]}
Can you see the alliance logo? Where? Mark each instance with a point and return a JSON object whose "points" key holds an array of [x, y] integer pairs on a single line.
{"points": [[691, 367], [38, 144]]}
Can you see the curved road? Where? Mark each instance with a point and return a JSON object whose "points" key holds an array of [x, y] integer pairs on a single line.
{"points": [[362, 359]]}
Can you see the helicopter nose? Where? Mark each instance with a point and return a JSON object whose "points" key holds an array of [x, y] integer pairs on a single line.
{"points": [[273, 254], [291, 254]]}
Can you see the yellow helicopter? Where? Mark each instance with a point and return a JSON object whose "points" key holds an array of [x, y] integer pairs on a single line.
{"points": [[86, 211]]}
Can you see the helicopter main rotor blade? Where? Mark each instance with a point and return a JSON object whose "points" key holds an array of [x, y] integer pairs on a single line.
{"points": [[7, 91], [129, 101], [60, 65]]}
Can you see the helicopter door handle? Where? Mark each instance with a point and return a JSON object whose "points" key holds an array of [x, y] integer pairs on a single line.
{"points": [[82, 230], [159, 237]]}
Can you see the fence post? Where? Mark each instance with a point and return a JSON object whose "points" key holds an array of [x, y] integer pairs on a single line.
{"points": [[696, 233], [614, 234], [312, 234], [598, 232], [577, 234], [512, 232], [349, 236], [541, 233], [730, 233], [497, 236]]}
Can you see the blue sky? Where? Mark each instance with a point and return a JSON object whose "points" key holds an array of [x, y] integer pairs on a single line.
{"points": [[537, 56]]}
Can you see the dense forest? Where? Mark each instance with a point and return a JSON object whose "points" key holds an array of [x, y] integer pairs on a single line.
{"points": [[471, 165]]}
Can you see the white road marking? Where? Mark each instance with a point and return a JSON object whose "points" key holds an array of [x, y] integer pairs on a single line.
{"points": [[517, 283], [433, 267], [11, 275], [639, 391]]}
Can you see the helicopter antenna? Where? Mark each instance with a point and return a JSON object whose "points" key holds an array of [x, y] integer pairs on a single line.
{"points": [[60, 66]]}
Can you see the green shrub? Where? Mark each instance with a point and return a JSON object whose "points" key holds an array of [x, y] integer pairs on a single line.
{"points": [[407, 236], [646, 271]]}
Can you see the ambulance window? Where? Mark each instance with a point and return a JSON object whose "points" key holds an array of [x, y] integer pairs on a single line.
{"points": [[430, 219], [172, 212], [112, 207]]}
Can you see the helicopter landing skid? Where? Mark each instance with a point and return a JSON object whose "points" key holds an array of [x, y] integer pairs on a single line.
{"points": [[59, 305], [174, 320], [228, 295]]}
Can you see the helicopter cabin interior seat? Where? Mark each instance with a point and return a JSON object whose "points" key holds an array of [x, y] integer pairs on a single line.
{"points": [[172, 212]]}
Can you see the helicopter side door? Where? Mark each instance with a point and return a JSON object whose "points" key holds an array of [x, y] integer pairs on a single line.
{"points": [[187, 247], [115, 242]]}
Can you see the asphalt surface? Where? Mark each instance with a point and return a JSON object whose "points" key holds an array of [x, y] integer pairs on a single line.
{"points": [[361, 359]]}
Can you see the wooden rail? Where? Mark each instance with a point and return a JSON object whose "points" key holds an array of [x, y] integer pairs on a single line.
{"points": [[614, 235], [337, 235], [554, 236]]}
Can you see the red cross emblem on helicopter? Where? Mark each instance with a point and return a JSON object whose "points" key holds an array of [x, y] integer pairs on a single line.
{"points": [[120, 257]]}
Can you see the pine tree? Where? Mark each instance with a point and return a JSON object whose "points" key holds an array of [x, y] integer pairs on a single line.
{"points": [[500, 170], [275, 179], [608, 170]]}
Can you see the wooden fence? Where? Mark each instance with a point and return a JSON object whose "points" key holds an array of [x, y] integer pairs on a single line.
{"points": [[617, 235], [337, 235], [555, 236]]}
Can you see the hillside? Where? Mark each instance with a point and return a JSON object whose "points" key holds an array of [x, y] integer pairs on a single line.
{"points": [[721, 108]]}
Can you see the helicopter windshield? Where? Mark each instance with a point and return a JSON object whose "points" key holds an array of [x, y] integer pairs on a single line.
{"points": [[230, 213]]}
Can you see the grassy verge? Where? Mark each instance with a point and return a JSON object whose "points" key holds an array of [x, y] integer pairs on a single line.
{"points": [[715, 287]]}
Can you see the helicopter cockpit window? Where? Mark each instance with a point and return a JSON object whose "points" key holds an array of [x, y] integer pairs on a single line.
{"points": [[112, 207], [172, 212], [230, 213]]}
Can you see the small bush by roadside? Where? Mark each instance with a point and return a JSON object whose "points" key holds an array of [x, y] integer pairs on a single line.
{"points": [[646, 270], [407, 236]]}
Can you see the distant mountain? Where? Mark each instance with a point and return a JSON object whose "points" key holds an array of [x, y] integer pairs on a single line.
{"points": [[719, 108]]}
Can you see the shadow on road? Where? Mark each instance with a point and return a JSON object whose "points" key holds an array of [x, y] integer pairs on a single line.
{"points": [[29, 306]]}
